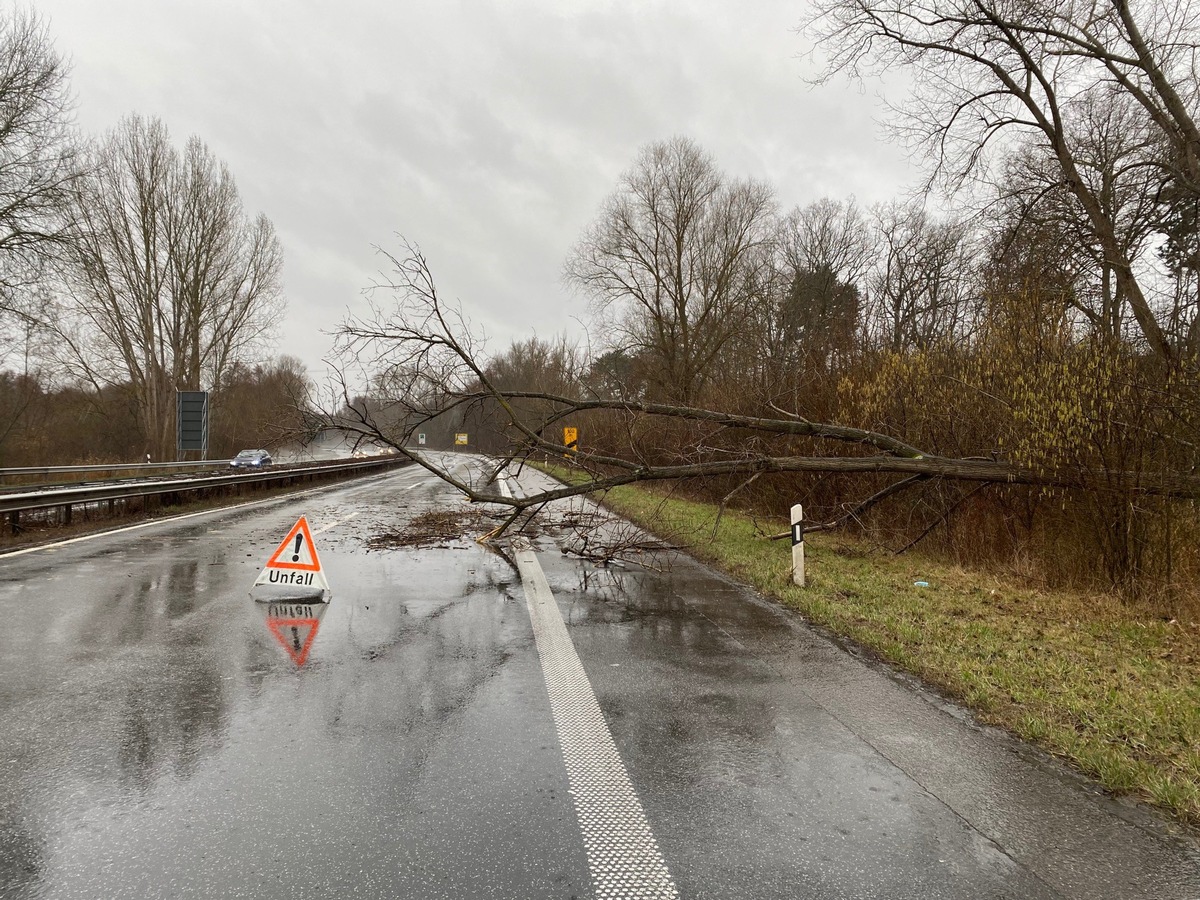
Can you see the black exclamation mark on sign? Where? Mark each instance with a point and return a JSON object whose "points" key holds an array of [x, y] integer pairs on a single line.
{"points": [[296, 638], [296, 552]]}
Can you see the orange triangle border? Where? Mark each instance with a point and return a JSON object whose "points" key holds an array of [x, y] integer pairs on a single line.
{"points": [[285, 547], [298, 656]]}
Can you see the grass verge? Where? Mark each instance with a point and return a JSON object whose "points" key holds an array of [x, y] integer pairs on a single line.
{"points": [[1083, 676]]}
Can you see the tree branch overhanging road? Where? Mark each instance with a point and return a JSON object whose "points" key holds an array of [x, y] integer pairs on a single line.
{"points": [[433, 365]]}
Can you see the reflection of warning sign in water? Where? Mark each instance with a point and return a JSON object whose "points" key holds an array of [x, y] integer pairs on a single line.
{"points": [[294, 626], [294, 569]]}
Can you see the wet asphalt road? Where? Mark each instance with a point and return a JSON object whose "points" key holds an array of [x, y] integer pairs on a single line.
{"points": [[162, 735]]}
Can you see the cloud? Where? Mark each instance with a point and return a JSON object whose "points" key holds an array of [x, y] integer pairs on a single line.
{"points": [[488, 133]]}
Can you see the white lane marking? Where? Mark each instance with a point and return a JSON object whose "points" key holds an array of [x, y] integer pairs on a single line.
{"points": [[204, 512], [417, 485], [623, 856], [505, 490], [335, 523]]}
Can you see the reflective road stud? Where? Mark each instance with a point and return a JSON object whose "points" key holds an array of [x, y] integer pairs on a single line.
{"points": [[798, 544]]}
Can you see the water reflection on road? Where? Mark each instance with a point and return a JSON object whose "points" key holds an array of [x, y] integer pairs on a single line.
{"points": [[161, 726], [165, 734], [294, 625]]}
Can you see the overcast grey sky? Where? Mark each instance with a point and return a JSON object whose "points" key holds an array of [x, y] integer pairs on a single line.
{"points": [[487, 132]]}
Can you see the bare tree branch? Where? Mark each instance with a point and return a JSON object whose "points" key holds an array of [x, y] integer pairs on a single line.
{"points": [[437, 367]]}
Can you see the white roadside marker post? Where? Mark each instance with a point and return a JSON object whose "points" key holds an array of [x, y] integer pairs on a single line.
{"points": [[798, 544]]}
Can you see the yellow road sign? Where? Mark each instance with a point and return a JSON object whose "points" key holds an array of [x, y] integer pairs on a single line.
{"points": [[460, 439], [570, 438]]}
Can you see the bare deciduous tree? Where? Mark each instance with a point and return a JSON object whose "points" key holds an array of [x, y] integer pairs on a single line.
{"points": [[171, 283], [823, 251], [549, 365], [676, 257], [418, 334], [37, 157], [255, 404], [922, 285], [1112, 146], [990, 70]]}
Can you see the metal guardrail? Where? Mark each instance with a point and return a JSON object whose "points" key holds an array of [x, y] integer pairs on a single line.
{"points": [[109, 467], [13, 504]]}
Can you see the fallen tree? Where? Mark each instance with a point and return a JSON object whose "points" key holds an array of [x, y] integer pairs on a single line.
{"points": [[427, 363]]}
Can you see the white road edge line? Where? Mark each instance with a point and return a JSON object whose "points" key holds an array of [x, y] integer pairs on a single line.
{"points": [[622, 853], [100, 534], [623, 856]]}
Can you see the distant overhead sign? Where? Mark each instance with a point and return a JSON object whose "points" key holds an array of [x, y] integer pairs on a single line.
{"points": [[294, 569], [460, 439], [191, 408]]}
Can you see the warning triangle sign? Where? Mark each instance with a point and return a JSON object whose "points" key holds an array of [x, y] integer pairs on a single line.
{"points": [[295, 635], [294, 569], [297, 550]]}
